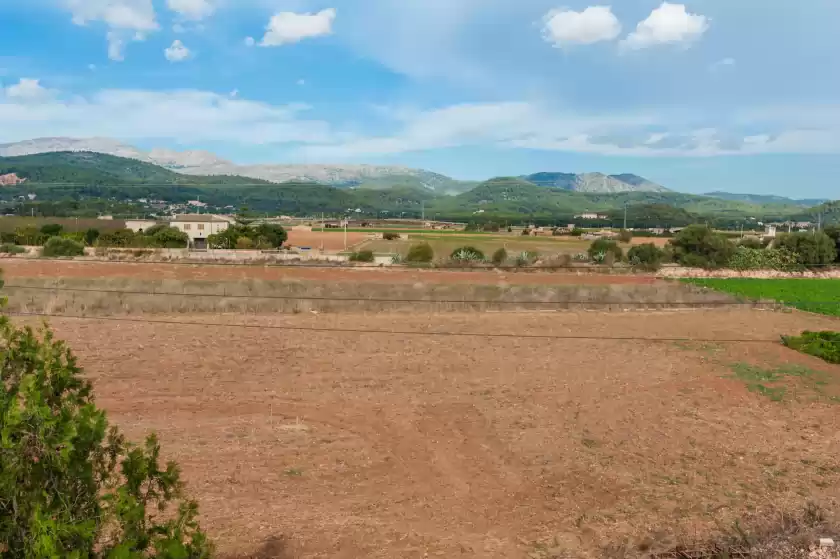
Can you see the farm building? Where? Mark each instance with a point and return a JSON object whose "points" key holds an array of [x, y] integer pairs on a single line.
{"points": [[200, 226]]}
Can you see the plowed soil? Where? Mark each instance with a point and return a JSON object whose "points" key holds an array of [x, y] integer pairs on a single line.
{"points": [[329, 241], [24, 268], [364, 444]]}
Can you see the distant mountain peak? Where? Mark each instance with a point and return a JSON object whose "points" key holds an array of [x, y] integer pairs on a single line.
{"points": [[595, 182]]}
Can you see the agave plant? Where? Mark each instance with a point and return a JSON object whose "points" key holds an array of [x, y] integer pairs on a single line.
{"points": [[599, 257]]}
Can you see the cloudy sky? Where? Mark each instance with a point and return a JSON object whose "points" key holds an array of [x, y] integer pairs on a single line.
{"points": [[738, 95]]}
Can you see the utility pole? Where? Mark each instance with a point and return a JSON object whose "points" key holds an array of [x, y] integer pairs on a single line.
{"points": [[423, 209], [625, 216]]}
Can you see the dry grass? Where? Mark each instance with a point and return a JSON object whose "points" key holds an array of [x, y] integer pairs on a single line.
{"points": [[445, 446]]}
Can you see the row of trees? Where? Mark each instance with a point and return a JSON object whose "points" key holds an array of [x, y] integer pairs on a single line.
{"points": [[264, 236]]}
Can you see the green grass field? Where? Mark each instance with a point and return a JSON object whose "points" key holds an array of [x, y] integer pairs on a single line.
{"points": [[813, 295]]}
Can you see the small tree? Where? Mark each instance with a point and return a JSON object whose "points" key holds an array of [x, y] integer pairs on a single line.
{"points": [[244, 243], [168, 237], [91, 235], [625, 236], [812, 248], [57, 246], [52, 229], [500, 256], [699, 246], [420, 253], [269, 234], [647, 256], [70, 485], [390, 236], [362, 256], [605, 246], [834, 234]]}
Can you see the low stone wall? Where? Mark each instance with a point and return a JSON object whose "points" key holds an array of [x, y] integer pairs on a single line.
{"points": [[677, 272]]}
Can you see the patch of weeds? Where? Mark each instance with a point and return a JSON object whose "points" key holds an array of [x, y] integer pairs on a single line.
{"points": [[294, 472], [775, 383], [825, 345], [589, 443]]}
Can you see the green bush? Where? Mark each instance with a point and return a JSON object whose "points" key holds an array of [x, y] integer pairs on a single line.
{"points": [[7, 237], [526, 258], [29, 236], [52, 230], [825, 345], [499, 257], [390, 236], [698, 246], [420, 253], [70, 485], [491, 227], [11, 249], [833, 233], [90, 236], [764, 259], [647, 256], [625, 236], [812, 248], [605, 246], [167, 237], [244, 243], [121, 238], [467, 254], [751, 242], [57, 246], [362, 256]]}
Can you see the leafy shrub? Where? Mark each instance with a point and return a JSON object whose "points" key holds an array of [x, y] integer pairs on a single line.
{"points": [[167, 237], [499, 257], [491, 227], [699, 247], [605, 246], [646, 256], [70, 486], [397, 259], [580, 257], [362, 256], [526, 232], [420, 253], [29, 236], [389, 236], [52, 230], [825, 345], [526, 258], [90, 236], [812, 248], [268, 234], [56, 246], [244, 243], [11, 249], [751, 242], [577, 232], [7, 237], [467, 254], [764, 259], [625, 236], [833, 233], [121, 238]]}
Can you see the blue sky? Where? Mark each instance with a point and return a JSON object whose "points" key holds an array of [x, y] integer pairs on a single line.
{"points": [[708, 95]]}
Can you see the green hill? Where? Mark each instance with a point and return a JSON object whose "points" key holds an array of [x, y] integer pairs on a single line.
{"points": [[90, 168]]}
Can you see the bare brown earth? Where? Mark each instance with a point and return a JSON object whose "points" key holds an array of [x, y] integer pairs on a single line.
{"points": [[23, 268], [346, 445], [329, 241]]}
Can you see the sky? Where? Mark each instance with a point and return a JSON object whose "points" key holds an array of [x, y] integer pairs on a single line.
{"points": [[735, 95]]}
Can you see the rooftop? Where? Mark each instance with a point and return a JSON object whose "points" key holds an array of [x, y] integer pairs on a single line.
{"points": [[200, 218]]}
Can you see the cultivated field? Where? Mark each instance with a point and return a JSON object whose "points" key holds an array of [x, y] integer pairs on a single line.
{"points": [[326, 240], [332, 439]]}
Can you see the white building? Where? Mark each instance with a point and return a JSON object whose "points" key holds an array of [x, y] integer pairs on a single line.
{"points": [[199, 226], [138, 225]]}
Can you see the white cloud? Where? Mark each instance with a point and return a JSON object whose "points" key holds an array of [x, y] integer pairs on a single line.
{"points": [[288, 27], [193, 10], [249, 41], [592, 25], [177, 52], [27, 89], [667, 24], [183, 116], [126, 20], [301, 82]]}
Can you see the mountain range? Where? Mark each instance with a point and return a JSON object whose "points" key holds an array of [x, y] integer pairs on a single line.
{"points": [[377, 177]]}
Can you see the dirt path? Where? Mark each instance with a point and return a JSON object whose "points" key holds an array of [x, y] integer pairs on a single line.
{"points": [[346, 445], [13, 268]]}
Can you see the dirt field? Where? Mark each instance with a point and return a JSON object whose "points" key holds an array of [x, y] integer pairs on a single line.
{"points": [[332, 242], [348, 445], [14, 268]]}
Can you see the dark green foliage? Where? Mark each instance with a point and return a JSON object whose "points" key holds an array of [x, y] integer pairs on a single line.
{"points": [[167, 237], [700, 247], [121, 238], [526, 232], [8, 248], [812, 248], [834, 234], [52, 230], [244, 243], [7, 237], [499, 257], [577, 232], [605, 246], [389, 236], [467, 254], [70, 485], [362, 256], [420, 253], [646, 257], [91, 235], [269, 236], [751, 243], [30, 236], [491, 227], [58, 246], [264, 236], [825, 345]]}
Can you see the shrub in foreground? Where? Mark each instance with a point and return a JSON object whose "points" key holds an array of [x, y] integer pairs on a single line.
{"points": [[420, 253], [362, 256], [812, 248], [499, 257], [603, 247], [70, 486], [57, 246], [647, 256], [11, 249], [390, 236], [467, 254], [825, 345], [764, 259], [698, 246], [625, 236]]}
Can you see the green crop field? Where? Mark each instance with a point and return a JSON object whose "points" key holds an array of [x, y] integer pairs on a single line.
{"points": [[813, 295]]}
